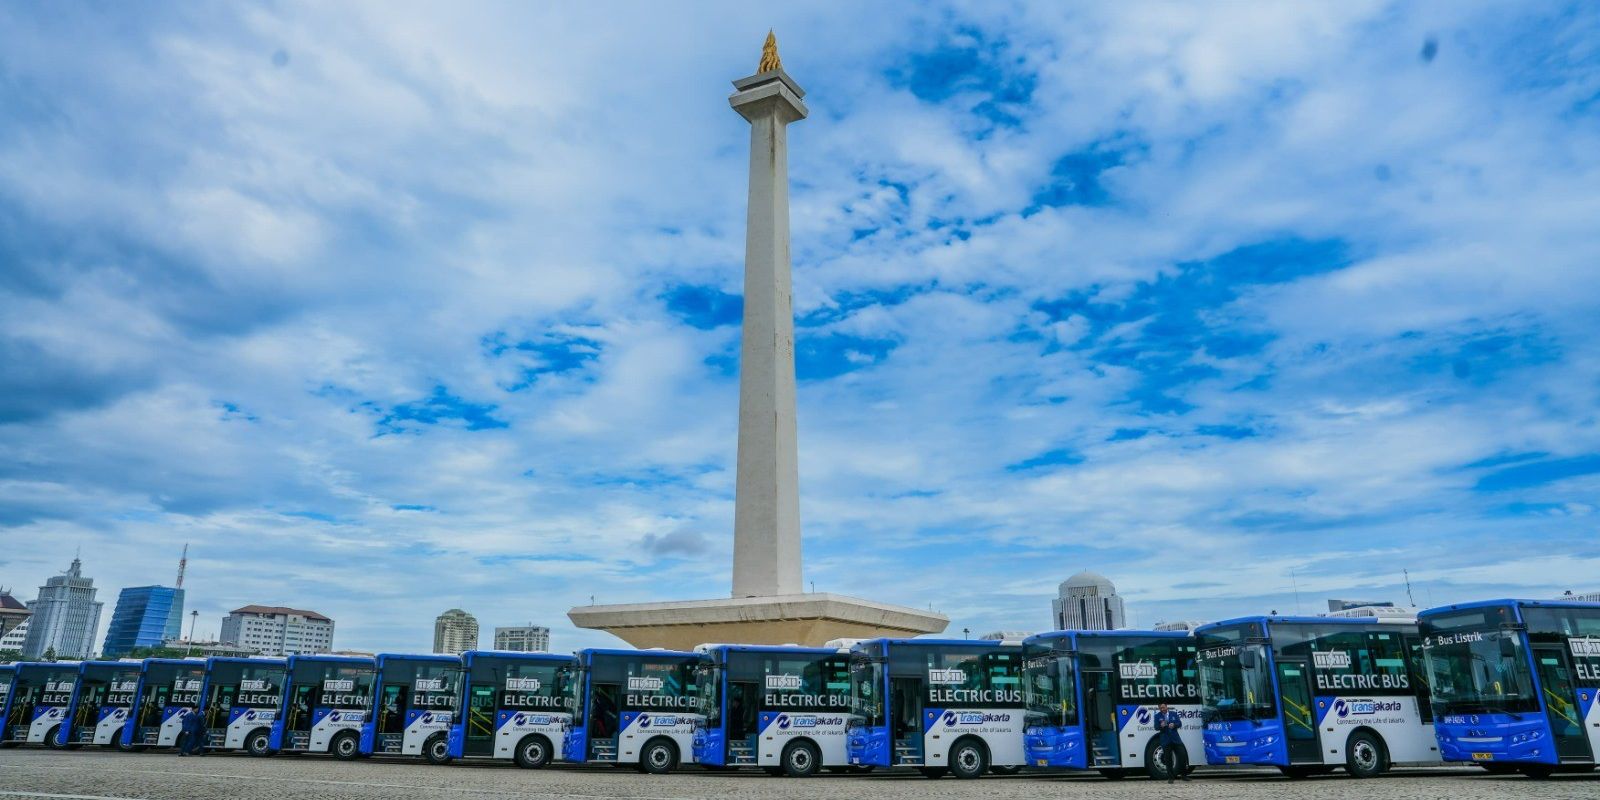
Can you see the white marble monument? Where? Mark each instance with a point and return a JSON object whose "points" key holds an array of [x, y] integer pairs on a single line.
{"points": [[767, 606]]}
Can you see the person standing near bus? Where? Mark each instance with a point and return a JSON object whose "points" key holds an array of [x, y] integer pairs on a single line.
{"points": [[192, 741], [1167, 724]]}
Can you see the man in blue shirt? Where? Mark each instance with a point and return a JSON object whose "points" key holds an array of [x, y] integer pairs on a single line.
{"points": [[1167, 724]]}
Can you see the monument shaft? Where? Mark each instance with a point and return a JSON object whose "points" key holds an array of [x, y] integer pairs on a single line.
{"points": [[766, 529]]}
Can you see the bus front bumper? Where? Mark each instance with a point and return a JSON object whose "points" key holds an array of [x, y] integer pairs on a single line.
{"points": [[1236, 742], [868, 746], [1054, 746], [1495, 738]]}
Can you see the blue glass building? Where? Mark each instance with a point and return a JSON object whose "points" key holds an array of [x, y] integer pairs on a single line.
{"points": [[146, 616]]}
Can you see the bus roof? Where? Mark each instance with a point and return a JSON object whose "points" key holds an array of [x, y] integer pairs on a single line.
{"points": [[244, 660], [1297, 620], [936, 642], [294, 659], [586, 654], [1121, 633], [193, 662], [773, 648], [444, 657], [512, 655], [85, 666], [1508, 602]]}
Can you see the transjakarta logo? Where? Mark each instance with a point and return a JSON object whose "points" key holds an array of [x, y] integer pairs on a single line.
{"points": [[1331, 659], [254, 685], [1138, 671], [973, 718], [1360, 708], [645, 721], [947, 676], [645, 684], [524, 684], [785, 721], [1585, 648], [783, 683], [433, 685], [338, 685]]}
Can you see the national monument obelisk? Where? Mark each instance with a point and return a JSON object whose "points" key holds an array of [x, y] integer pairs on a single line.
{"points": [[767, 606]]}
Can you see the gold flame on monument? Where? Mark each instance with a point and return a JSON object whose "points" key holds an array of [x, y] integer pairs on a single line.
{"points": [[769, 55]]}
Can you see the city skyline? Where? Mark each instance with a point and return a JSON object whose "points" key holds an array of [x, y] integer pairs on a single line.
{"points": [[1235, 305]]}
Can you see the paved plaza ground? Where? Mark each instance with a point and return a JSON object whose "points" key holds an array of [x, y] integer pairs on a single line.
{"points": [[95, 775]]}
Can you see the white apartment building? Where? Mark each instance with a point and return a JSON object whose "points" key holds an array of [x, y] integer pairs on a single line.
{"points": [[278, 631], [455, 632], [65, 617], [1088, 601], [528, 638]]}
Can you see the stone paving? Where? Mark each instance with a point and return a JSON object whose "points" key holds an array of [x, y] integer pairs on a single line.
{"points": [[96, 775]]}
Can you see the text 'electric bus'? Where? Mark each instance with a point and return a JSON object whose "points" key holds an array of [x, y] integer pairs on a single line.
{"points": [[1308, 694], [1092, 697], [784, 709], [169, 689], [102, 703], [1515, 684], [516, 708], [326, 700], [36, 706], [241, 702], [417, 698], [941, 706], [633, 707]]}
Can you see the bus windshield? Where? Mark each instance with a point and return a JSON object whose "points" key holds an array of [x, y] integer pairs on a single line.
{"points": [[1475, 666], [1235, 677], [866, 685], [1049, 690], [708, 680]]}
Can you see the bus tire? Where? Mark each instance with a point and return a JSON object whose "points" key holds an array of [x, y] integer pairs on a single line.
{"points": [[1365, 755], [659, 756], [437, 749], [258, 743], [968, 758], [1113, 774], [933, 773], [345, 746], [801, 759], [533, 751], [52, 739]]}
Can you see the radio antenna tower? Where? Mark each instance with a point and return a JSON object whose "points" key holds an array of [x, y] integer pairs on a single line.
{"points": [[1413, 600], [183, 564]]}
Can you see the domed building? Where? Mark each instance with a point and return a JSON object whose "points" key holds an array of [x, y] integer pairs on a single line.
{"points": [[1088, 601]]}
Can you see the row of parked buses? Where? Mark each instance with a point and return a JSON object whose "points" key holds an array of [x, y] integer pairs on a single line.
{"points": [[1508, 685]]}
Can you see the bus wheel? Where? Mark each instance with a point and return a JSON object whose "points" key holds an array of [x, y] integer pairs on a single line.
{"points": [[801, 760], [1364, 755], [933, 772], [1113, 774], [968, 759], [345, 746], [437, 749], [52, 739], [258, 743], [533, 752], [658, 757]]}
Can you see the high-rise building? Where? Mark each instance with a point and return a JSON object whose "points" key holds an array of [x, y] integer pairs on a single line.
{"points": [[65, 617], [528, 638], [14, 639], [1088, 602], [278, 631], [145, 616], [13, 612], [455, 631]]}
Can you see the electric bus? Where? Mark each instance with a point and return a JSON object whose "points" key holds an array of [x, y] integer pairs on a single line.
{"points": [[36, 707], [780, 708], [169, 689], [515, 708], [942, 706], [1092, 697], [633, 707], [417, 699], [1515, 684], [325, 701], [1309, 694], [241, 701], [102, 703]]}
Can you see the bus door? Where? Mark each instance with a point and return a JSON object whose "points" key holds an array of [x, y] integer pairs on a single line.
{"points": [[300, 707], [480, 720], [1560, 706], [744, 703], [605, 720], [150, 716], [391, 722], [219, 705], [905, 723], [1101, 708], [1299, 711]]}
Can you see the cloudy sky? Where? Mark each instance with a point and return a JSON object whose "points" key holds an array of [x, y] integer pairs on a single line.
{"points": [[390, 308]]}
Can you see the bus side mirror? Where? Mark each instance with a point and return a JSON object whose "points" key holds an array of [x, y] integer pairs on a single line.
{"points": [[1508, 648], [1247, 659]]}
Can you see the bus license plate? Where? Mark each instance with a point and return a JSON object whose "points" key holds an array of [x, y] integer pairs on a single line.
{"points": [[1231, 759], [1483, 756], [1042, 762]]}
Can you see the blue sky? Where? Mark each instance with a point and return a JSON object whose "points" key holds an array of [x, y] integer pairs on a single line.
{"points": [[389, 308]]}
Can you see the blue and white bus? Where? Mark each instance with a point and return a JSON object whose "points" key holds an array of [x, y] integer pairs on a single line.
{"points": [[326, 699], [417, 700], [633, 707], [36, 706], [784, 709], [515, 708], [102, 703], [241, 701], [1092, 697], [169, 689], [942, 706], [1515, 684], [1309, 694]]}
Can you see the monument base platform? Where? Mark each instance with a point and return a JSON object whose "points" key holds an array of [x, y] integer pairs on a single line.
{"points": [[803, 619]]}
